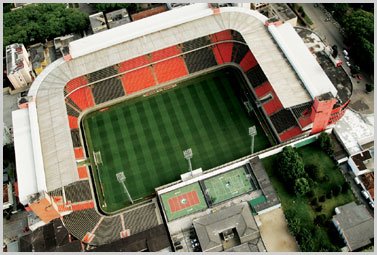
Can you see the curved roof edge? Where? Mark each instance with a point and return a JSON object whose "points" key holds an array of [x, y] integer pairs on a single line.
{"points": [[148, 25]]}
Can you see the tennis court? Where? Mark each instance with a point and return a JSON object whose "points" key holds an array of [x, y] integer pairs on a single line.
{"points": [[144, 137], [183, 201], [228, 185]]}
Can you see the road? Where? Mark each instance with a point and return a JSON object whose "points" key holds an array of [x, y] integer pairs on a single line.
{"points": [[326, 29], [329, 32]]}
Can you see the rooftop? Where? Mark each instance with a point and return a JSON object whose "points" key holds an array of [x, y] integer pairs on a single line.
{"points": [[353, 131], [235, 221], [283, 11], [14, 57], [363, 160], [356, 224]]}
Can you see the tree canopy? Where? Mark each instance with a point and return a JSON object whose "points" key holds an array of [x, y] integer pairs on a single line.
{"points": [[325, 143], [37, 22], [291, 165], [358, 23]]}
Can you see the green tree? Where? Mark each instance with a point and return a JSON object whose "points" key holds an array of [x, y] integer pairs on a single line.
{"points": [[369, 87], [290, 165], [325, 143], [39, 22], [314, 172], [301, 186]]}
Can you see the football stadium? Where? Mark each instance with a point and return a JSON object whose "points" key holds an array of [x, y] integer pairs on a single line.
{"points": [[107, 124]]}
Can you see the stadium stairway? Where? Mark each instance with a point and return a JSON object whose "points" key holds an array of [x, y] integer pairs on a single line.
{"points": [[107, 90]]}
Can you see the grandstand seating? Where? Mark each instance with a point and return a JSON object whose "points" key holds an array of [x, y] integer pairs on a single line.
{"points": [[80, 222], [196, 43], [170, 69], [75, 134], [283, 120], [101, 74], [82, 205], [290, 133], [273, 105], [132, 63], [248, 62], [79, 153], [256, 76], [200, 60], [239, 52], [71, 108], [165, 53], [78, 191], [237, 36], [109, 229], [73, 122], [82, 98], [222, 51], [83, 172], [141, 218], [75, 83], [106, 90], [138, 80]]}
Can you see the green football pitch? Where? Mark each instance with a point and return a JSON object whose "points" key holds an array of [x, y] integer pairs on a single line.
{"points": [[144, 137]]}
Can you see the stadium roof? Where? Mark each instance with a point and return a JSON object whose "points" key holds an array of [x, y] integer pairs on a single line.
{"points": [[25, 165], [304, 63], [54, 149]]}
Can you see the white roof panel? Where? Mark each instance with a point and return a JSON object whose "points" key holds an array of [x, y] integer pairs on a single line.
{"points": [[23, 146], [303, 61]]}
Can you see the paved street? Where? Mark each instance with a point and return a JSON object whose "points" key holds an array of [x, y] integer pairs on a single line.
{"points": [[360, 100]]}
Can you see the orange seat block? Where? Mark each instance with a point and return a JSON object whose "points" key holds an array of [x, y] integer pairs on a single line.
{"points": [[132, 63], [138, 80], [170, 69], [79, 153], [83, 172], [73, 122]]}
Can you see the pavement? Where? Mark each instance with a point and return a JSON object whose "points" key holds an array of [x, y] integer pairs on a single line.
{"points": [[9, 105], [275, 233], [15, 226], [361, 101]]}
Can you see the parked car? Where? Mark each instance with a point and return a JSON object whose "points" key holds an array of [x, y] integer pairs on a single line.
{"points": [[358, 77], [345, 53], [371, 203], [347, 58], [365, 194], [348, 64]]}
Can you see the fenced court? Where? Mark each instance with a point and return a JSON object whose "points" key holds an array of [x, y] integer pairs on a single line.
{"points": [[228, 185], [183, 201]]}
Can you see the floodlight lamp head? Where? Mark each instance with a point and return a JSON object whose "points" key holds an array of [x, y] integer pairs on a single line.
{"points": [[187, 153]]}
